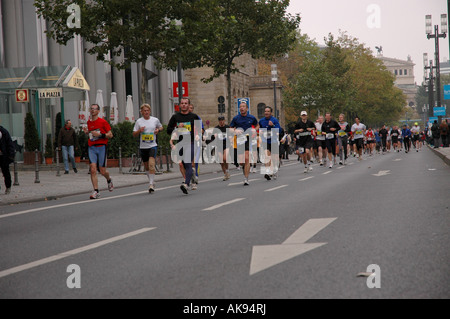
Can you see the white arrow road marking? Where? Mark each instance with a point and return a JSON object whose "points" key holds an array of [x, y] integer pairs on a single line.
{"points": [[224, 203], [43, 261], [266, 256], [275, 188], [382, 173]]}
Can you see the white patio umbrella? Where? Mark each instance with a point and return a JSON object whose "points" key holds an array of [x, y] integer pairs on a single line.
{"points": [[83, 114], [99, 101], [129, 113], [114, 109]]}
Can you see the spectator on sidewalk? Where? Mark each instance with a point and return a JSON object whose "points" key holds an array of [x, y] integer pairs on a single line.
{"points": [[68, 142], [443, 129], [7, 153], [436, 134]]}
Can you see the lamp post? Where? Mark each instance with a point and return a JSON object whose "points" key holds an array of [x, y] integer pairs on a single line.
{"points": [[274, 80], [178, 23], [430, 87], [436, 36]]}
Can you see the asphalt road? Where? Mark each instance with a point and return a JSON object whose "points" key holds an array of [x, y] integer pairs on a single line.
{"points": [[300, 236]]}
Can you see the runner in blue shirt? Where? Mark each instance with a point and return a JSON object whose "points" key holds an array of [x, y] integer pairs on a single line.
{"points": [[268, 122], [406, 133], [244, 124]]}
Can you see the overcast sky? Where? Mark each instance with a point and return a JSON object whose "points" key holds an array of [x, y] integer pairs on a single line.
{"points": [[396, 25]]}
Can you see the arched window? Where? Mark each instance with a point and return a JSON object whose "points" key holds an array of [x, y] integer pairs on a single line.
{"points": [[261, 107]]}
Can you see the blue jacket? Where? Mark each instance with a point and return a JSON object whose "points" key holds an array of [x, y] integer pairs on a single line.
{"points": [[406, 132], [264, 123]]}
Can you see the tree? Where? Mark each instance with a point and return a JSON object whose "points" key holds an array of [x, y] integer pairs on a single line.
{"points": [[232, 28], [122, 32], [31, 136]]}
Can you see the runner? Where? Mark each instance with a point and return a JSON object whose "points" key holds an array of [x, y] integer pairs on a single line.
{"points": [[99, 132], [383, 134], [330, 127], [268, 122], [146, 128], [358, 130], [394, 137], [370, 136], [302, 132], [222, 153], [243, 124], [182, 124], [415, 131], [377, 141], [343, 138], [406, 133], [198, 153], [320, 141]]}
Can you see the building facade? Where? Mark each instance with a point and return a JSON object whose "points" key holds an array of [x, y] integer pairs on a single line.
{"points": [[403, 70]]}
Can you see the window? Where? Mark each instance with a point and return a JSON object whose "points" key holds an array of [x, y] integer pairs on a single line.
{"points": [[261, 107], [405, 72], [396, 72], [400, 72]]}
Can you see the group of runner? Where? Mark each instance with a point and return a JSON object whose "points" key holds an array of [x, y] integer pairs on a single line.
{"points": [[251, 140]]}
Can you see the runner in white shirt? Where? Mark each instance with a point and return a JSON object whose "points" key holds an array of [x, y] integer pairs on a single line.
{"points": [[320, 141], [146, 128], [358, 130], [415, 131]]}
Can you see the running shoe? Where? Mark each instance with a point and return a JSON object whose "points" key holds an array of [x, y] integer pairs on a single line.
{"points": [[7, 190], [151, 188], [226, 177], [184, 188], [193, 186], [331, 165], [110, 185], [310, 168], [305, 170], [246, 183], [267, 176], [95, 195]]}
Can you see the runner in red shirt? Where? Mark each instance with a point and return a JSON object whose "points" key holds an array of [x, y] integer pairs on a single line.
{"points": [[99, 132]]}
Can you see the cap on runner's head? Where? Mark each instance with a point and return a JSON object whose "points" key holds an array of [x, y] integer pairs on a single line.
{"points": [[303, 113], [221, 118], [416, 123]]}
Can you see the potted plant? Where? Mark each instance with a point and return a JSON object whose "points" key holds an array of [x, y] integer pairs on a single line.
{"points": [[123, 138], [82, 149], [32, 141], [48, 151]]}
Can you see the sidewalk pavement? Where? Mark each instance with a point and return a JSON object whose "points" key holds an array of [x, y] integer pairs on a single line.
{"points": [[51, 186], [442, 152]]}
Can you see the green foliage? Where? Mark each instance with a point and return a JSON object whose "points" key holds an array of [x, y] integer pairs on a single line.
{"points": [[82, 149], [31, 137], [49, 152], [346, 78], [122, 137]]}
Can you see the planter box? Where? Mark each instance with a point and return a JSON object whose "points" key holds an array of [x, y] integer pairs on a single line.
{"points": [[48, 160], [29, 158], [112, 162]]}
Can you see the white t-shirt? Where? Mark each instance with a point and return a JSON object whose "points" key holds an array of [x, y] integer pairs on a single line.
{"points": [[147, 139], [319, 132], [415, 130], [358, 130]]}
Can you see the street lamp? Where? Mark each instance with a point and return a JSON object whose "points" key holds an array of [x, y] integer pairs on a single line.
{"points": [[178, 23], [429, 87], [274, 80], [436, 36]]}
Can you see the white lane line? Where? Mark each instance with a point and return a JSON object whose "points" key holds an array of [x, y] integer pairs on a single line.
{"points": [[224, 203], [47, 260], [242, 183], [275, 188], [327, 172], [340, 167], [305, 179]]}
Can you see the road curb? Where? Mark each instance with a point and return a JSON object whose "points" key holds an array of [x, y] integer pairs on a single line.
{"points": [[445, 158]]}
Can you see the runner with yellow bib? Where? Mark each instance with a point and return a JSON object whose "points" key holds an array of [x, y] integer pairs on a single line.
{"points": [[146, 128]]}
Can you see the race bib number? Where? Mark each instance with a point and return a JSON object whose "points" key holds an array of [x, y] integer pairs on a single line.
{"points": [[301, 150], [147, 137], [330, 136], [394, 134], [267, 134], [358, 132], [92, 137], [342, 133], [254, 142], [319, 133], [186, 127], [222, 136], [241, 139]]}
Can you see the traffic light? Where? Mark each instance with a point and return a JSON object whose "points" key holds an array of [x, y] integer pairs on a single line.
{"points": [[221, 108]]}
